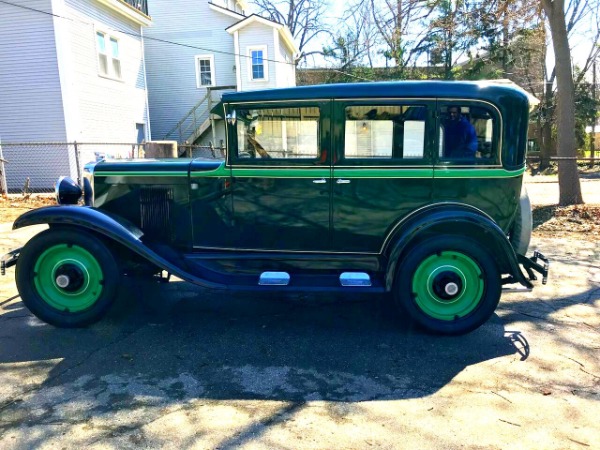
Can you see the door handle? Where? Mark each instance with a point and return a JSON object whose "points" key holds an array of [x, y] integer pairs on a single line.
{"points": [[320, 181], [342, 181]]}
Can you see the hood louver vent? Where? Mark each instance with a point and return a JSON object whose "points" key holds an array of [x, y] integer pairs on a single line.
{"points": [[155, 211]]}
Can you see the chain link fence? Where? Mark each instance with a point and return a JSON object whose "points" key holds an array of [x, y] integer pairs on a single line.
{"points": [[34, 167]]}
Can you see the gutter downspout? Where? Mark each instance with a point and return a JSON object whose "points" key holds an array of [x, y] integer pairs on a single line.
{"points": [[149, 131], [238, 63]]}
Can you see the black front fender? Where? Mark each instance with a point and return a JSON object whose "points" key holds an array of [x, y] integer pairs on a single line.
{"points": [[455, 219], [112, 227]]}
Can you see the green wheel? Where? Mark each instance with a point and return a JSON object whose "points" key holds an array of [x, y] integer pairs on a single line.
{"points": [[67, 278], [448, 285]]}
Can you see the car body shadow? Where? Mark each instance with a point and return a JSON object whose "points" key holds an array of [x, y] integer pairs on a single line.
{"points": [[176, 343]]}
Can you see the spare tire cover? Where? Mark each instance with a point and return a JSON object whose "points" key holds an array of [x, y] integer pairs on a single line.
{"points": [[520, 232]]}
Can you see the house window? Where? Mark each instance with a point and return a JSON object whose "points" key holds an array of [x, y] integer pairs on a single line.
{"points": [[116, 61], [205, 71], [102, 56], [109, 60], [258, 68]]}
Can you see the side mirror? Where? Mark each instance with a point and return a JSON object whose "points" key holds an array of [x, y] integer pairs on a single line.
{"points": [[231, 118]]}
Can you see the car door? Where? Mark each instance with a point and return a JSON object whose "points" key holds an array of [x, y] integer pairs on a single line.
{"points": [[281, 175], [468, 160], [382, 169]]}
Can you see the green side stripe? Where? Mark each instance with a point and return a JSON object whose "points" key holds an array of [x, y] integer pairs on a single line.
{"points": [[220, 171], [142, 173], [282, 173], [383, 173], [325, 172], [477, 173]]}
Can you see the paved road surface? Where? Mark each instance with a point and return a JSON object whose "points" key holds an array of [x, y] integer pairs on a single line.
{"points": [[200, 369]]}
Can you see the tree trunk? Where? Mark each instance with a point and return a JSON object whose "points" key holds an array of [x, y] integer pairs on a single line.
{"points": [[547, 144], [547, 141], [568, 177], [398, 36]]}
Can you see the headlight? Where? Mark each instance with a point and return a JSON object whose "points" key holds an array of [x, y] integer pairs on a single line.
{"points": [[67, 191]]}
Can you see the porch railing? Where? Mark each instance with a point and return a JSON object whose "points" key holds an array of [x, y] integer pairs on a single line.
{"points": [[140, 5]]}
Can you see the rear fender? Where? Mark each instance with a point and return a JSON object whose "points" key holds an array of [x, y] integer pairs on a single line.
{"points": [[455, 219], [113, 227]]}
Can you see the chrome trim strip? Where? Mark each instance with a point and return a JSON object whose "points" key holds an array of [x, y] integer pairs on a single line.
{"points": [[355, 279], [283, 101], [274, 279], [299, 252]]}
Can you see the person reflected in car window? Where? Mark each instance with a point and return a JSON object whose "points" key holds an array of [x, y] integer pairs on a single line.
{"points": [[459, 135]]}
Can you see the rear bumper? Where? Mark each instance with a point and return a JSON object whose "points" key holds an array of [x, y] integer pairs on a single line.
{"points": [[9, 260], [531, 264]]}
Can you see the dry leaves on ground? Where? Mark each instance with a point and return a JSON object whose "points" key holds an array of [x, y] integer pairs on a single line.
{"points": [[555, 220]]}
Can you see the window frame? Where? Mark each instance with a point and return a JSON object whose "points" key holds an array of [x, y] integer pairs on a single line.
{"points": [[108, 54], [497, 142], [232, 136], [265, 64], [213, 77], [428, 141], [118, 58]]}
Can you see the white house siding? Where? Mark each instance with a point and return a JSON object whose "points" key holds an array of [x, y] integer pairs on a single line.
{"points": [[287, 75], [31, 106], [106, 110], [253, 35], [170, 68]]}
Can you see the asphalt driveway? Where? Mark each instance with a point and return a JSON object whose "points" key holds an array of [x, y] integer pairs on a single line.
{"points": [[176, 366]]}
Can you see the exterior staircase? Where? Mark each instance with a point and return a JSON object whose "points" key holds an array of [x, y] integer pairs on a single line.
{"points": [[199, 119]]}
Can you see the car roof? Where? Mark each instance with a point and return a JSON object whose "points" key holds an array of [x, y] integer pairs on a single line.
{"points": [[483, 90]]}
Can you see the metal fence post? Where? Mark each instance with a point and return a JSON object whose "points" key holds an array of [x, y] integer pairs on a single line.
{"points": [[3, 185], [79, 180]]}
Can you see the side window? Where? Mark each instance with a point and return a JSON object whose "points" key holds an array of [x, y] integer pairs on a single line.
{"points": [[468, 133], [388, 132], [278, 133]]}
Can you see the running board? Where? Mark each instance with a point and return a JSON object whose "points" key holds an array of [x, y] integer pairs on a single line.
{"points": [[517, 289]]}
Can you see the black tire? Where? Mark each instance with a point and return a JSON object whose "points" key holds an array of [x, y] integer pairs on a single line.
{"points": [[92, 277], [520, 232], [448, 285]]}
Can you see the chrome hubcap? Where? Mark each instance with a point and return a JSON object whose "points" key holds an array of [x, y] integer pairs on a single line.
{"points": [[451, 289], [62, 281]]}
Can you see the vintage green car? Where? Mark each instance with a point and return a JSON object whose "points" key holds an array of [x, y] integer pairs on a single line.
{"points": [[408, 188]]}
